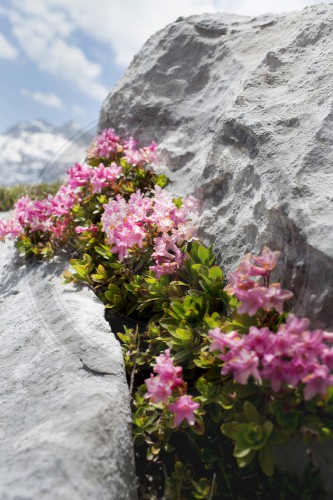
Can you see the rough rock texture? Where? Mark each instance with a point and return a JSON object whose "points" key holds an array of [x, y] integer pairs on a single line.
{"points": [[243, 110], [65, 427], [294, 456]]}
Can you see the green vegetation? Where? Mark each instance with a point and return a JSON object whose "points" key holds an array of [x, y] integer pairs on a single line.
{"points": [[218, 374], [10, 194]]}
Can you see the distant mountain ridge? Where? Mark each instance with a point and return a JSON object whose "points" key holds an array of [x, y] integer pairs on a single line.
{"points": [[36, 151]]}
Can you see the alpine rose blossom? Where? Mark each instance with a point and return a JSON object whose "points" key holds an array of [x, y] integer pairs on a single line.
{"points": [[160, 386], [157, 389], [292, 356], [78, 175], [250, 283], [143, 155], [107, 143], [146, 220], [101, 176], [184, 408]]}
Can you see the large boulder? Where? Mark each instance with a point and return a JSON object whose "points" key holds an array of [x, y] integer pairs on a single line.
{"points": [[243, 111], [65, 424]]}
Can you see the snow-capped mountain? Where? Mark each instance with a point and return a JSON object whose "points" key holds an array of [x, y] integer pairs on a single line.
{"points": [[35, 151]]}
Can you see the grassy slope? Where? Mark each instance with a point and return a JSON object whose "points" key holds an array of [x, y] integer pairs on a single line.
{"points": [[10, 194]]}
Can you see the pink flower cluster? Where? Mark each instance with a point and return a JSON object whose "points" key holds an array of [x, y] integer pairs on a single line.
{"points": [[52, 214], [293, 355], [160, 387], [97, 178], [251, 284], [79, 175], [145, 219], [143, 155], [107, 143], [168, 377], [44, 215]]}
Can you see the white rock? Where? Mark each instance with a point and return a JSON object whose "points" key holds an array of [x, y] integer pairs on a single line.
{"points": [[65, 428], [243, 111]]}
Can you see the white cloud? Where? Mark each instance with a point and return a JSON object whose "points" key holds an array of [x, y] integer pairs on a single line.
{"points": [[42, 34], [43, 28], [50, 100], [7, 50], [126, 24]]}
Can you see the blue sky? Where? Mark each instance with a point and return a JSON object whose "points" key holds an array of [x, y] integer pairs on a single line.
{"points": [[59, 58]]}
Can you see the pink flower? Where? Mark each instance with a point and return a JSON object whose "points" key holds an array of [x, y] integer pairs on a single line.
{"points": [[168, 256], [222, 340], [251, 300], [167, 371], [134, 223], [247, 267], [184, 408], [63, 201], [157, 389], [295, 326], [144, 155], [107, 143], [268, 258], [122, 223], [101, 176], [59, 227], [168, 378], [317, 381], [10, 228], [243, 365], [84, 229], [78, 175], [293, 355], [275, 297], [327, 357], [260, 340], [272, 371], [160, 269], [250, 284]]}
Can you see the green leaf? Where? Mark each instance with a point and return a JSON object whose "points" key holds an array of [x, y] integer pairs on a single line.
{"points": [[183, 334], [162, 180], [104, 251], [266, 460], [203, 254], [241, 452], [268, 427], [229, 429], [169, 448], [245, 461], [215, 273], [182, 355], [251, 413], [244, 391], [178, 202]]}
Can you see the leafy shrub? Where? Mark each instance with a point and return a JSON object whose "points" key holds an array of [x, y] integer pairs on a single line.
{"points": [[218, 373]]}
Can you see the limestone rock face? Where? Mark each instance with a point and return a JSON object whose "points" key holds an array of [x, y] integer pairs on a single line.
{"points": [[65, 424], [242, 109]]}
